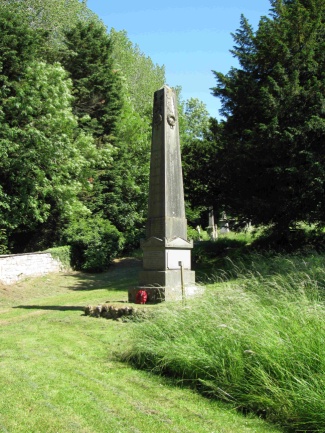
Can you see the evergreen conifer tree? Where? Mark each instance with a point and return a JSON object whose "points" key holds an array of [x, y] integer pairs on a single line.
{"points": [[96, 83], [271, 163]]}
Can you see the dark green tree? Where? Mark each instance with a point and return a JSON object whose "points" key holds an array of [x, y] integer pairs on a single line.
{"points": [[19, 44], [271, 162], [121, 193], [96, 83], [199, 136], [199, 166]]}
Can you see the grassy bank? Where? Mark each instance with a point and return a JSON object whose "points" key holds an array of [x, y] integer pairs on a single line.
{"points": [[255, 339], [60, 370]]}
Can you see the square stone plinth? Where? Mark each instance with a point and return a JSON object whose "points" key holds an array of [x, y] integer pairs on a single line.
{"points": [[168, 279], [166, 285], [161, 294]]}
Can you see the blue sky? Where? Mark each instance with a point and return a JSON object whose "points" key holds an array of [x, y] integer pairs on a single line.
{"points": [[190, 37]]}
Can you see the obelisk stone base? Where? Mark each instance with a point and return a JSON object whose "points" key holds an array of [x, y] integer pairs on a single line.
{"points": [[165, 285], [166, 274], [161, 294]]}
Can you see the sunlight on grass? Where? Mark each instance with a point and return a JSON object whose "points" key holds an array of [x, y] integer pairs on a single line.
{"points": [[60, 370], [255, 341]]}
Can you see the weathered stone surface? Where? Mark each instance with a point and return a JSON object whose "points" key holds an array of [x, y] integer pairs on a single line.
{"points": [[108, 311], [14, 267], [166, 271], [161, 254], [166, 210]]}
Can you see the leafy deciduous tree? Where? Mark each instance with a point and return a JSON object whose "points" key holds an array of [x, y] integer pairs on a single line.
{"points": [[46, 160], [120, 194], [141, 76], [53, 17]]}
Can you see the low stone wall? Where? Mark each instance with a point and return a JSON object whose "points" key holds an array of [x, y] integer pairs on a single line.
{"points": [[14, 267]]}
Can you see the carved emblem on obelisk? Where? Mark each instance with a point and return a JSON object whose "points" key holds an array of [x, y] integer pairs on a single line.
{"points": [[171, 112]]}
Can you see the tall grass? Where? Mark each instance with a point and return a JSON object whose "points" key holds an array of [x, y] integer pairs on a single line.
{"points": [[256, 340]]}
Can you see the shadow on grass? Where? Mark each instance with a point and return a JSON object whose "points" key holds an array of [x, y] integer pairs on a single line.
{"points": [[51, 307], [121, 276]]}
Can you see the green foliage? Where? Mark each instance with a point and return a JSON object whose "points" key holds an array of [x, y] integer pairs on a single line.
{"points": [[45, 160], [271, 162], [94, 242], [121, 194], [52, 17], [3, 242], [255, 342], [198, 149], [141, 76], [298, 240], [206, 251], [200, 161], [19, 44], [196, 121], [193, 234], [63, 254], [96, 84], [71, 148], [199, 172]]}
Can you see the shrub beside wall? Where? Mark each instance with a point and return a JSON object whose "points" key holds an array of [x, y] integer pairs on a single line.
{"points": [[94, 243]]}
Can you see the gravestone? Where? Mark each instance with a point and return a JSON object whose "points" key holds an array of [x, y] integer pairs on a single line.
{"points": [[212, 228], [224, 224], [166, 273]]}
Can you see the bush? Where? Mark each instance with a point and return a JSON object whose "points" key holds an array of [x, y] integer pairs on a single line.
{"points": [[193, 234], [94, 242], [301, 239], [207, 252], [3, 242], [63, 254]]}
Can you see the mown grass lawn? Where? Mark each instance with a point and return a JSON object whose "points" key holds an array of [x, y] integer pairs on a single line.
{"points": [[59, 371]]}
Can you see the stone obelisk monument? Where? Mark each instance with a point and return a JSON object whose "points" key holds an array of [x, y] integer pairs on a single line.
{"points": [[166, 273]]}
